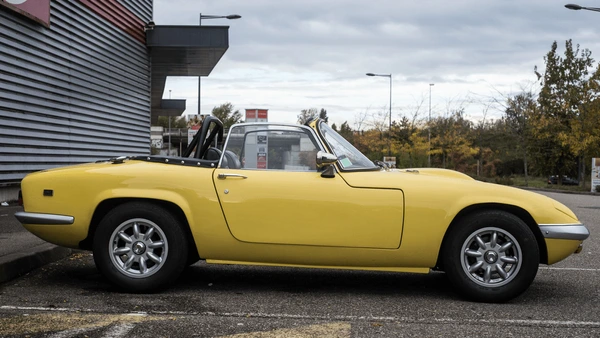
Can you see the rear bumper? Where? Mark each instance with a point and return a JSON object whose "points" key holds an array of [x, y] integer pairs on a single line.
{"points": [[49, 219], [576, 231]]}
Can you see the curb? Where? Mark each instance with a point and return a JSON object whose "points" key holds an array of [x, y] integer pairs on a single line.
{"points": [[20, 263]]}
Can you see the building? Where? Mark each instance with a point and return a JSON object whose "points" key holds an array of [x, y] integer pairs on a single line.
{"points": [[82, 80]]}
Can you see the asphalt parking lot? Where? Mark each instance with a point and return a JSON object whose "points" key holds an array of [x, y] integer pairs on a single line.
{"points": [[70, 299]]}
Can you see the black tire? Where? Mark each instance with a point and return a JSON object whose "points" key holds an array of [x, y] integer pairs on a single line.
{"points": [[157, 250], [193, 257], [500, 270]]}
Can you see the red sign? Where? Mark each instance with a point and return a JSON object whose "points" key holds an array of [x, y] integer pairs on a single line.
{"points": [[250, 114], [262, 113], [37, 10], [257, 115], [261, 161]]}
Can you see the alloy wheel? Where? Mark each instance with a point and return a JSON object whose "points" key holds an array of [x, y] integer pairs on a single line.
{"points": [[491, 257]]}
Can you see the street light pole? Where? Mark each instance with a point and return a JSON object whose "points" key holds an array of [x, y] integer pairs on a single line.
{"points": [[390, 125], [429, 128], [228, 17], [577, 7], [169, 117]]}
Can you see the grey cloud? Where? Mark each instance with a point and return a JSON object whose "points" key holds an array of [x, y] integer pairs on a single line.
{"points": [[454, 42]]}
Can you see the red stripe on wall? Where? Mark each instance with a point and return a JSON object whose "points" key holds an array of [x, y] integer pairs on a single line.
{"points": [[118, 15]]}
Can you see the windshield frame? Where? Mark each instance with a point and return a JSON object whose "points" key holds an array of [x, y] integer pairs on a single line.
{"points": [[344, 150]]}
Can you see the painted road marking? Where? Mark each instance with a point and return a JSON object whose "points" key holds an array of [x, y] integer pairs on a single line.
{"points": [[140, 316], [568, 269], [120, 330]]}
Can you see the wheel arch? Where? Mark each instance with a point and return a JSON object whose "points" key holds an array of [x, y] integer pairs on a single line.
{"points": [[109, 204], [512, 209]]}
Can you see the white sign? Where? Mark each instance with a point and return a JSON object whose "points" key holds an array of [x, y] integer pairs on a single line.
{"points": [[191, 133], [595, 174]]}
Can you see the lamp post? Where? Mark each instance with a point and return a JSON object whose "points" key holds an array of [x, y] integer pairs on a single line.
{"points": [[169, 118], [202, 16], [577, 7], [390, 126], [429, 128]]}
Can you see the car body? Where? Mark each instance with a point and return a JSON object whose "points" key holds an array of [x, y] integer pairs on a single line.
{"points": [[300, 196], [566, 180]]}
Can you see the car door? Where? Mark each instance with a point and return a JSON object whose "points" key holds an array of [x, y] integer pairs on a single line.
{"points": [[279, 197]]}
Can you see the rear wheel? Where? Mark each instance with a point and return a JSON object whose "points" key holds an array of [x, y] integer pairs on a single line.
{"points": [[140, 247], [491, 256]]}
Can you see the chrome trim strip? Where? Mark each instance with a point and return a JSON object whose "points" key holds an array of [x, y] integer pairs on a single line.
{"points": [[575, 231], [50, 219]]}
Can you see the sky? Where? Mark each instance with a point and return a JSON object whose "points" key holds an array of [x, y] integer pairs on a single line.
{"points": [[290, 55]]}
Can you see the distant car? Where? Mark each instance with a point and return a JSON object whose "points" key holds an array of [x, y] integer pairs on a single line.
{"points": [[565, 180], [296, 195]]}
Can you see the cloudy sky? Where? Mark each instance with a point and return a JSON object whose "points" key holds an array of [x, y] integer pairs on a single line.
{"points": [[290, 55]]}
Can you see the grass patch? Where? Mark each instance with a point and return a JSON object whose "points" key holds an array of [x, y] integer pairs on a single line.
{"points": [[536, 182], [542, 182]]}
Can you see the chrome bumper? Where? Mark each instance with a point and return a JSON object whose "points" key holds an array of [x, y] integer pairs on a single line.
{"points": [[35, 218], [576, 231]]}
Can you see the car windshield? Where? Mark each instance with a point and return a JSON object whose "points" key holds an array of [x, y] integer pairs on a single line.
{"points": [[348, 156]]}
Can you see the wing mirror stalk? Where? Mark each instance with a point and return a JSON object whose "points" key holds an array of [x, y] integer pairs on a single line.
{"points": [[325, 161]]}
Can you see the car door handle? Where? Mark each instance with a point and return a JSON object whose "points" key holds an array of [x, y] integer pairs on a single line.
{"points": [[224, 176]]}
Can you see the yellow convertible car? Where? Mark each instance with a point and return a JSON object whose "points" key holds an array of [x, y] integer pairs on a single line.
{"points": [[295, 195]]}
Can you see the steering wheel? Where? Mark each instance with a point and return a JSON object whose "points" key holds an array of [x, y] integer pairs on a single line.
{"points": [[203, 139]]}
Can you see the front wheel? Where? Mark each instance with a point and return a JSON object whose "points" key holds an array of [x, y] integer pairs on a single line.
{"points": [[491, 256], [140, 247]]}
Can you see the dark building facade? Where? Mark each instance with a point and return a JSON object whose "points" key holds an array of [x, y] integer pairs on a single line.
{"points": [[82, 86]]}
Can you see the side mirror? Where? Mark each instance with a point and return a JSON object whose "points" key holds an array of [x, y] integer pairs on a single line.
{"points": [[325, 161]]}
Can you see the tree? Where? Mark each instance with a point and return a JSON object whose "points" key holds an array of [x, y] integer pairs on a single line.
{"points": [[452, 138], [563, 125], [518, 113], [323, 115], [176, 122], [346, 132], [226, 114], [307, 115]]}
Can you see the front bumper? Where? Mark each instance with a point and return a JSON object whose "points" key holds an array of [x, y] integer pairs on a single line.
{"points": [[576, 231], [37, 218]]}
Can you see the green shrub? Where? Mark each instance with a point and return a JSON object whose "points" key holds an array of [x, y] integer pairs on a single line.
{"points": [[504, 180]]}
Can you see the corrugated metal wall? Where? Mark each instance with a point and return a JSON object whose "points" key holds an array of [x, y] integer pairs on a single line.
{"points": [[75, 92], [142, 9]]}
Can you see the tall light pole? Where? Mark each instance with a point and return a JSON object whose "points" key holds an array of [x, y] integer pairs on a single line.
{"points": [[169, 118], [429, 127], [202, 16], [390, 126], [577, 7]]}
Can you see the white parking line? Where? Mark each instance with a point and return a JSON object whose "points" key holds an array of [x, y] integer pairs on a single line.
{"points": [[37, 308], [519, 322], [568, 269], [120, 330]]}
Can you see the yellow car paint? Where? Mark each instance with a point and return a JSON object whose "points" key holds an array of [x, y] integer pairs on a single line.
{"points": [[302, 208], [391, 220]]}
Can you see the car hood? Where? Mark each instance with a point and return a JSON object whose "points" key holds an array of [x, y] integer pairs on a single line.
{"points": [[435, 172], [454, 190], [399, 178]]}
